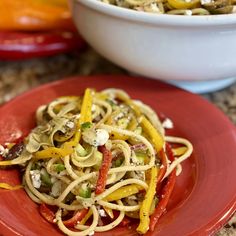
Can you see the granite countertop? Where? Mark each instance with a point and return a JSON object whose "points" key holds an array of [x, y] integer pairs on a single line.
{"points": [[18, 77]]}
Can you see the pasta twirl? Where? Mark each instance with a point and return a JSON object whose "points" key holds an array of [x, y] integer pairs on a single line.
{"points": [[99, 160]]}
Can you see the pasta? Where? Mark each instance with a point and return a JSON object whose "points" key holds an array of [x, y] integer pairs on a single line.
{"points": [[96, 161], [178, 7]]}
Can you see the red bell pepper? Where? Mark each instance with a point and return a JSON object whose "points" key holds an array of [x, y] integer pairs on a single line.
{"points": [[163, 167], [165, 193], [78, 216], [103, 171], [47, 213], [22, 45], [125, 222]]}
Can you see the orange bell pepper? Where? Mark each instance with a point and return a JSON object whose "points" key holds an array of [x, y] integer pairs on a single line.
{"points": [[35, 15]]}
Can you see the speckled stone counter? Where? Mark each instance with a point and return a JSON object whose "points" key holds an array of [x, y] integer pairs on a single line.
{"points": [[18, 77]]}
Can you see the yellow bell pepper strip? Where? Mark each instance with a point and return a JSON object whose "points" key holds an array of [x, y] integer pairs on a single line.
{"points": [[109, 212], [86, 114], [179, 151], [134, 107], [147, 202], [10, 187], [35, 15], [52, 152], [156, 138], [6, 163], [123, 192], [68, 147], [114, 136], [182, 4]]}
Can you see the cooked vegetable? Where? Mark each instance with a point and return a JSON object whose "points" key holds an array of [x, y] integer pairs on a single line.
{"points": [[178, 7], [103, 171]]}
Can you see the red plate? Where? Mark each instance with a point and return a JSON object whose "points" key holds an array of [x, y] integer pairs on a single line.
{"points": [[204, 197], [23, 45]]}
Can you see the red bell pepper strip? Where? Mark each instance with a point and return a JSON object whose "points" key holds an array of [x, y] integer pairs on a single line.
{"points": [[22, 45], [103, 171], [165, 194], [163, 167], [47, 213], [169, 152], [79, 215], [125, 222]]}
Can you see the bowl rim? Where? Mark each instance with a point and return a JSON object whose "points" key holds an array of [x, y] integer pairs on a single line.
{"points": [[158, 19]]}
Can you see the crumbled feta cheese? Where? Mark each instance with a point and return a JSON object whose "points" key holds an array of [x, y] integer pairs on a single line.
{"points": [[206, 1], [95, 137], [85, 185], [188, 12], [2, 150], [53, 179], [167, 124], [102, 213], [56, 189], [155, 8], [119, 116], [93, 108], [70, 124], [35, 177], [234, 10], [131, 201]]}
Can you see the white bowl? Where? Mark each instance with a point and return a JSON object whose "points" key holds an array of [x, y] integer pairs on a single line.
{"points": [[194, 52]]}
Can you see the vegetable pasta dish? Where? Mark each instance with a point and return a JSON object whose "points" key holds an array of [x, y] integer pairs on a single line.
{"points": [[178, 7], [98, 161]]}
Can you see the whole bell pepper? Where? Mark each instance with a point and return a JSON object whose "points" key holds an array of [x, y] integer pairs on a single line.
{"points": [[35, 15], [24, 45]]}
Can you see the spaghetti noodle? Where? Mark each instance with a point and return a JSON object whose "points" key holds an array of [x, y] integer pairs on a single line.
{"points": [[98, 159]]}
